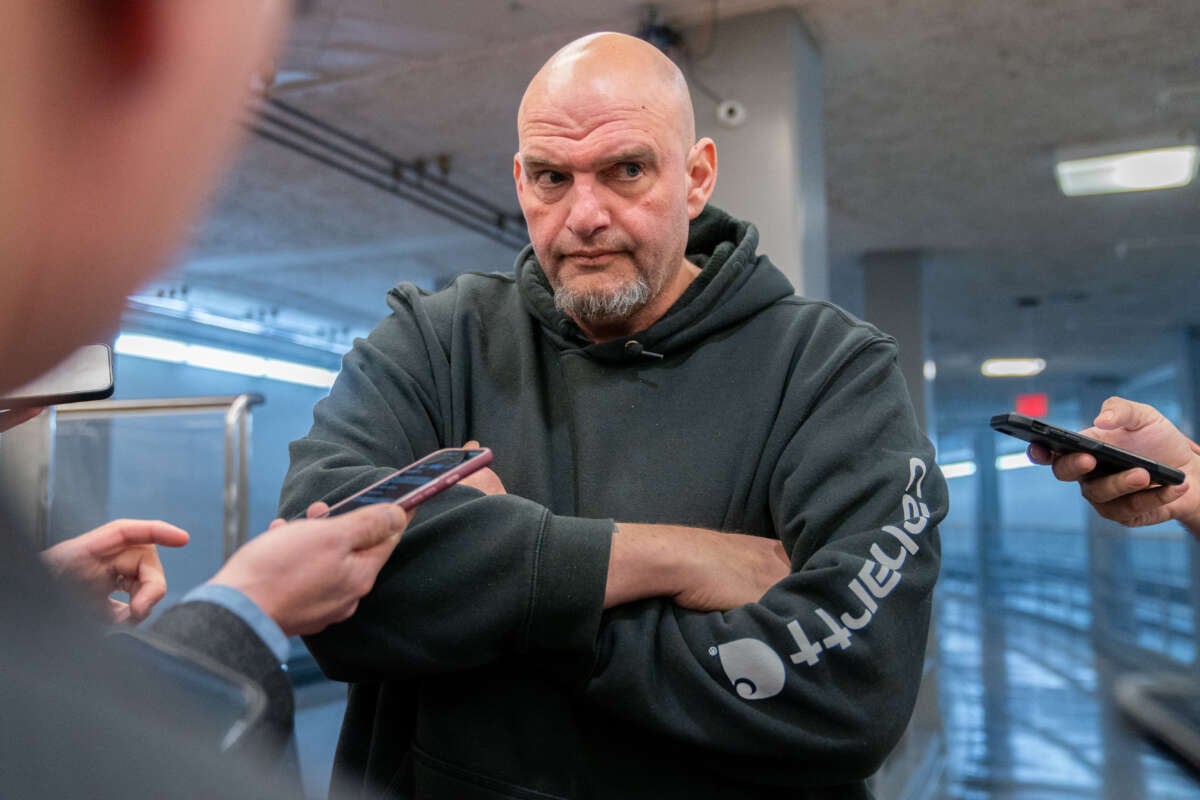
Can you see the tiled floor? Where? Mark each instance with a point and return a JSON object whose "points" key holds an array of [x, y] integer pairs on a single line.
{"points": [[1028, 714], [1025, 705]]}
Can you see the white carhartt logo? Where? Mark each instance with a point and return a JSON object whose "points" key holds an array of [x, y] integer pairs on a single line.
{"points": [[754, 669]]}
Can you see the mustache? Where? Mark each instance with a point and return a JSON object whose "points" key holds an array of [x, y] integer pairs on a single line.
{"points": [[591, 247]]}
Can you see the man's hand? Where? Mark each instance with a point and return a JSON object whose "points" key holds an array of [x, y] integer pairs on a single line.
{"points": [[1126, 497], [311, 573], [118, 556], [699, 569], [485, 480]]}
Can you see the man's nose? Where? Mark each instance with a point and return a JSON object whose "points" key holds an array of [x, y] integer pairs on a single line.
{"points": [[588, 214]]}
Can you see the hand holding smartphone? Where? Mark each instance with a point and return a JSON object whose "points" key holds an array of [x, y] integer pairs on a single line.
{"points": [[418, 481], [1109, 459]]}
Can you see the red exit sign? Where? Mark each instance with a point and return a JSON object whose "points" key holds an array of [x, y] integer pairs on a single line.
{"points": [[1033, 405]]}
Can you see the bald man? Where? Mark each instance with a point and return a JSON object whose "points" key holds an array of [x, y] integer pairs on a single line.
{"points": [[703, 564]]}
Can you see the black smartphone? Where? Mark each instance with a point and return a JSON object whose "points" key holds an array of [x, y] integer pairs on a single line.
{"points": [[1109, 459], [418, 481], [86, 374]]}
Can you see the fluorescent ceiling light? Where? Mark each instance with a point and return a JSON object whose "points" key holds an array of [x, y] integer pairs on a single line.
{"points": [[1012, 367], [965, 469], [1013, 461], [178, 309], [152, 347], [290, 372], [176, 352], [1130, 166], [958, 469], [224, 360]]}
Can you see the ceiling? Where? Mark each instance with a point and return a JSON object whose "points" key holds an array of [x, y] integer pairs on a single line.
{"points": [[941, 122]]}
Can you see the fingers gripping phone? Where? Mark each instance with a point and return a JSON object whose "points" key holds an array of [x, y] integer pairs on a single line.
{"points": [[1109, 459], [418, 481]]}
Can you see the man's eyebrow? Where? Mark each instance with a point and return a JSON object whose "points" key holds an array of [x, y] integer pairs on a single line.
{"points": [[637, 155], [532, 163], [641, 155]]}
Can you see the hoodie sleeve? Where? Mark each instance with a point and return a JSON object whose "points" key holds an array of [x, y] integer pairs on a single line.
{"points": [[822, 673], [382, 413], [543, 574]]}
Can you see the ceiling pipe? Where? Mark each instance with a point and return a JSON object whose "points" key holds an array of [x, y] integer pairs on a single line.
{"points": [[316, 139]]}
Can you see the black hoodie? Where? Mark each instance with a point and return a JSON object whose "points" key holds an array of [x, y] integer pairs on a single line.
{"points": [[483, 664]]}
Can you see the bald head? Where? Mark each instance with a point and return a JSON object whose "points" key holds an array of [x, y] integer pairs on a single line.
{"points": [[611, 67]]}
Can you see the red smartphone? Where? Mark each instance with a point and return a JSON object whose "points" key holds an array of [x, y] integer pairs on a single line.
{"points": [[418, 481]]}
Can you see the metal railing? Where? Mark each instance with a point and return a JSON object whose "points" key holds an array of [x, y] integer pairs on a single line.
{"points": [[36, 453]]}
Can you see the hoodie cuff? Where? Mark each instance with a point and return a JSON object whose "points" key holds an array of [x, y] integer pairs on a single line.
{"points": [[570, 573]]}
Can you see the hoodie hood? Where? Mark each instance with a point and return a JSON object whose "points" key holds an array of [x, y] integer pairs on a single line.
{"points": [[734, 283]]}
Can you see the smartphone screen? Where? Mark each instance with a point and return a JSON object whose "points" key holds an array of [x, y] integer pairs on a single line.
{"points": [[1109, 459], [420, 480], [86, 374]]}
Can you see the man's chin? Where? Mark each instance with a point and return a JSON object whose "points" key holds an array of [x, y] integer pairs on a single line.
{"points": [[602, 307]]}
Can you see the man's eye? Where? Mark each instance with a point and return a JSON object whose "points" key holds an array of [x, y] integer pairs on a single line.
{"points": [[549, 177], [630, 170]]}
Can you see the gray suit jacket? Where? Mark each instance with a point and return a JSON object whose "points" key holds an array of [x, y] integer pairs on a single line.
{"points": [[83, 715]]}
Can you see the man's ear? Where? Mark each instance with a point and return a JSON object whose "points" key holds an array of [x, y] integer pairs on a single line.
{"points": [[517, 176], [701, 175]]}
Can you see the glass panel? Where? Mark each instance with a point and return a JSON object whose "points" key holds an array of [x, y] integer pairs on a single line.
{"points": [[168, 467]]}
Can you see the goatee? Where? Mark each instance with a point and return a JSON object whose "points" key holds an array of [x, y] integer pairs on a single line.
{"points": [[603, 307]]}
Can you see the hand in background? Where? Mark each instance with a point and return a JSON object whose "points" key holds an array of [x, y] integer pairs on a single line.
{"points": [[485, 480], [1127, 497], [308, 574], [118, 556]]}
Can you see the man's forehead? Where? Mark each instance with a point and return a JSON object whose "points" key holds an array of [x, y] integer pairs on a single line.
{"points": [[587, 99], [553, 143], [606, 122], [595, 100]]}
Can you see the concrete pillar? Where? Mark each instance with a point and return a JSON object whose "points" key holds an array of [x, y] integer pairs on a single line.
{"points": [[1110, 565], [993, 628], [758, 95], [1189, 382], [989, 544], [1189, 423], [1112, 587]]}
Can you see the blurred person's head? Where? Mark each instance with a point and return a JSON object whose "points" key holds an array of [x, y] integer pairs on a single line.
{"points": [[115, 118], [608, 175]]}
